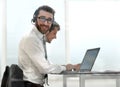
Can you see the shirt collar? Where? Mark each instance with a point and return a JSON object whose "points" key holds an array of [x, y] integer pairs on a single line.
{"points": [[38, 33]]}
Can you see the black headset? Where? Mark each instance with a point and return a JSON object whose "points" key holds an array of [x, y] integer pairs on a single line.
{"points": [[35, 16]]}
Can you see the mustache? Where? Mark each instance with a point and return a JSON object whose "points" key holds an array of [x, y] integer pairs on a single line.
{"points": [[42, 25]]}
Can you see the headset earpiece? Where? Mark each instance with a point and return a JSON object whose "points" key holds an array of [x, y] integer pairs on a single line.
{"points": [[35, 16]]}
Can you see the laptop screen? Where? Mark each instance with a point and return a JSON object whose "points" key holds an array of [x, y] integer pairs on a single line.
{"points": [[89, 59]]}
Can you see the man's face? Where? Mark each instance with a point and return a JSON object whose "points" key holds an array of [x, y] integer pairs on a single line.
{"points": [[51, 35], [44, 21]]}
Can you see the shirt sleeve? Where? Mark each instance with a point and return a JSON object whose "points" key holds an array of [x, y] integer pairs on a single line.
{"points": [[34, 49]]}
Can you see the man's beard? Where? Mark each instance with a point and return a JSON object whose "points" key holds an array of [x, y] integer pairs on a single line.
{"points": [[39, 28]]}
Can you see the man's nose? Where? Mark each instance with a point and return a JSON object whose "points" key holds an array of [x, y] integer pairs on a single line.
{"points": [[46, 22]]}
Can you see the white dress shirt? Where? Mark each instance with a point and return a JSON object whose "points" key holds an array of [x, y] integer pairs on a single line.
{"points": [[32, 58]]}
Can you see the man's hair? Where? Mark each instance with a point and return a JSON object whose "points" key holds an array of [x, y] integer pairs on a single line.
{"points": [[55, 24], [45, 8]]}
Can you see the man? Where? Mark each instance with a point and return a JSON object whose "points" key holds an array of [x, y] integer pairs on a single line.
{"points": [[32, 53], [51, 34]]}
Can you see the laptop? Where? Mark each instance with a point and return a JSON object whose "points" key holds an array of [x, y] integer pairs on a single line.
{"points": [[88, 61]]}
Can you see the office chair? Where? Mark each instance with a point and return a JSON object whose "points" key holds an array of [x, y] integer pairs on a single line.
{"points": [[4, 81], [15, 76]]}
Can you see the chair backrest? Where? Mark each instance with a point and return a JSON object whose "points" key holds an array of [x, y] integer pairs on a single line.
{"points": [[4, 82], [15, 76], [16, 72]]}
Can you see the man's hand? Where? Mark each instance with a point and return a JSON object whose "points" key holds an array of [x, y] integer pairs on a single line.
{"points": [[77, 67], [69, 67]]}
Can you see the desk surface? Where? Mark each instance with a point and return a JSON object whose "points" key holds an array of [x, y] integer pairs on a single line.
{"points": [[92, 72]]}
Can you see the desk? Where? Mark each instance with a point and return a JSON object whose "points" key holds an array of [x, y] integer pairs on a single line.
{"points": [[93, 75]]}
